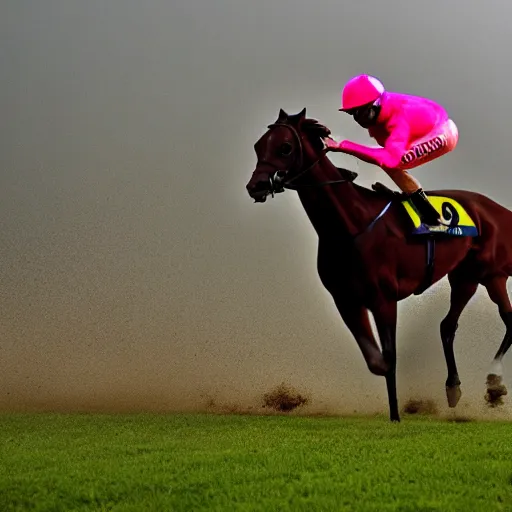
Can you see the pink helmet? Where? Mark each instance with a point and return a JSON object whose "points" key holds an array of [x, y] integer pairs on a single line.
{"points": [[360, 90]]}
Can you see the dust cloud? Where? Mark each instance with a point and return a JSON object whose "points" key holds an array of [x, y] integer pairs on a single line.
{"points": [[136, 272]]}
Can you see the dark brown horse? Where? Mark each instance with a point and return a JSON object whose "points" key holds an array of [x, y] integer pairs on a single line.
{"points": [[367, 258]]}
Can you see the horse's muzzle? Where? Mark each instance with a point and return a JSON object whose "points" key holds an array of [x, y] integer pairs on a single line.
{"points": [[263, 188], [259, 190], [259, 196]]}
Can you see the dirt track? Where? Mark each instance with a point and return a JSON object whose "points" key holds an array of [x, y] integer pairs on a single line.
{"points": [[96, 363]]}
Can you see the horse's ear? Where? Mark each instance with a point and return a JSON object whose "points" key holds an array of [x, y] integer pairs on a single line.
{"points": [[298, 118], [282, 115], [302, 116]]}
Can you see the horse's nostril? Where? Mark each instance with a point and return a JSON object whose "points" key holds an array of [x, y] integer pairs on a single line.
{"points": [[260, 186], [259, 195]]}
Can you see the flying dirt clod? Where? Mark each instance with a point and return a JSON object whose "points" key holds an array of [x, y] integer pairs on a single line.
{"points": [[283, 398]]}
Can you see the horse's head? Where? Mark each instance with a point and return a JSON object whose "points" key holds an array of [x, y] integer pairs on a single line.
{"points": [[284, 152]]}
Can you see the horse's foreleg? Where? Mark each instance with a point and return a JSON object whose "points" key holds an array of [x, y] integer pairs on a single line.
{"points": [[356, 319], [385, 314], [461, 293], [497, 289]]}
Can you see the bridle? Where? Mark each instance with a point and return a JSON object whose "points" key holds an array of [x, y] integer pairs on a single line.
{"points": [[278, 181]]}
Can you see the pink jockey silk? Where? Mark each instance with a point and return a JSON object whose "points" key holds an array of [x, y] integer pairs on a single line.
{"points": [[410, 130]]}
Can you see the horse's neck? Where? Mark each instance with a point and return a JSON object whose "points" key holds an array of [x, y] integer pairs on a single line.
{"points": [[336, 209]]}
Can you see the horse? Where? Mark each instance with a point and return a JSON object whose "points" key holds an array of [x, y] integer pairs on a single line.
{"points": [[369, 257]]}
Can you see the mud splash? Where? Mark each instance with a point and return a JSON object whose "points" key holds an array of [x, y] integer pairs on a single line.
{"points": [[284, 398], [421, 406]]}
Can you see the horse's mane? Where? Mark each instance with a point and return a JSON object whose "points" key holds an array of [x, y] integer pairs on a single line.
{"points": [[315, 132]]}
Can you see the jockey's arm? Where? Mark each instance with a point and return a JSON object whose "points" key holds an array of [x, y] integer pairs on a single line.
{"points": [[388, 157]]}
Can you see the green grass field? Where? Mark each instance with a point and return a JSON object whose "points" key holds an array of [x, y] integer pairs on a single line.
{"points": [[228, 462]]}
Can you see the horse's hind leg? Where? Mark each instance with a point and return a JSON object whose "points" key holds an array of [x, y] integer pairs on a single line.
{"points": [[497, 289], [461, 292]]}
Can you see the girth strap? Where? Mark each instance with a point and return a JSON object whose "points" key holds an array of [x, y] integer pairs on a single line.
{"points": [[429, 271]]}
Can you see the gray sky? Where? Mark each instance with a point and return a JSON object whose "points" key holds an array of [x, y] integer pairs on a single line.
{"points": [[135, 269]]}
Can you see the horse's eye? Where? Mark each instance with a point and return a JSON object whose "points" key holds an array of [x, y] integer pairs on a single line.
{"points": [[285, 149]]}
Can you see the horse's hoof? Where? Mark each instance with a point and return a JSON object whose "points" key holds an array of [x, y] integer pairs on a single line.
{"points": [[453, 395], [496, 390]]}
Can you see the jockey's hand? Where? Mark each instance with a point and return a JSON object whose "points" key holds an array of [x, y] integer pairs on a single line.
{"points": [[330, 144]]}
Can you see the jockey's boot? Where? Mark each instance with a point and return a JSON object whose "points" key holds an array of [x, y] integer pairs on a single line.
{"points": [[427, 212]]}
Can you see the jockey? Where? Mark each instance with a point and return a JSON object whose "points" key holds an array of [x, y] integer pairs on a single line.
{"points": [[410, 130]]}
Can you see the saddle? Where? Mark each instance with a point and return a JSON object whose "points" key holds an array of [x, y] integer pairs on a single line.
{"points": [[461, 224]]}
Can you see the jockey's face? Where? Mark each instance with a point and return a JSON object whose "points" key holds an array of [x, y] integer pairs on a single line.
{"points": [[366, 115]]}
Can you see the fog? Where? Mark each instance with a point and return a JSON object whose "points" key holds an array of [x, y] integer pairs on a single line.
{"points": [[136, 272]]}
